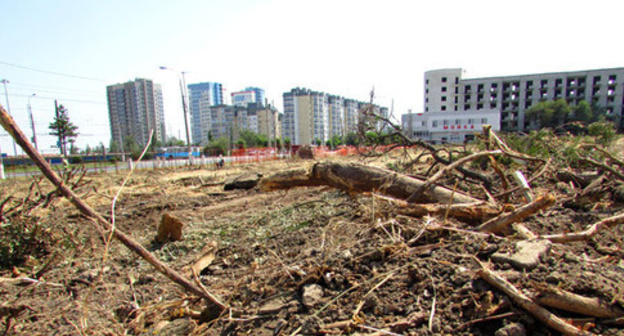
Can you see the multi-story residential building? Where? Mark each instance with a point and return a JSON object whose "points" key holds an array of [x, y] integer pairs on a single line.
{"points": [[135, 108], [306, 116], [310, 116], [259, 94], [448, 126], [268, 123], [336, 107], [222, 117], [201, 97], [351, 108], [249, 95], [242, 98], [448, 90]]}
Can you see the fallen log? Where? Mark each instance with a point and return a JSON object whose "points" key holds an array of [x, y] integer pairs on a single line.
{"points": [[501, 222], [354, 177], [560, 299], [550, 319]]}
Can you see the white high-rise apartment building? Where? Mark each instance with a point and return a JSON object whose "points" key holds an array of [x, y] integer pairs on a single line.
{"points": [[311, 115], [448, 90]]}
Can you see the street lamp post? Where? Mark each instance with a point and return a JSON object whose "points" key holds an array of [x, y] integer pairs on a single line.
{"points": [[184, 111], [32, 122], [6, 95]]}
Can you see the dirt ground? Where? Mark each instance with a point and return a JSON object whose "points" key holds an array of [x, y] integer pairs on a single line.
{"points": [[308, 261]]}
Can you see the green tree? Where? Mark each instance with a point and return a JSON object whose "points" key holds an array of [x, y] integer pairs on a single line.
{"points": [[253, 139], [63, 129], [216, 147], [113, 146], [173, 141], [549, 113], [583, 112], [352, 139]]}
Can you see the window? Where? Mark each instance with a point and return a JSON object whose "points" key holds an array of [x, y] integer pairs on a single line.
{"points": [[443, 107], [612, 79], [479, 106], [426, 81], [444, 89], [466, 106], [427, 100], [456, 80], [596, 80], [434, 123], [457, 122], [470, 121], [445, 122], [443, 98], [427, 90], [484, 120], [444, 79], [424, 123]]}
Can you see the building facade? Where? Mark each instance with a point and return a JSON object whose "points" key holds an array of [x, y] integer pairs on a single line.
{"points": [[448, 126], [135, 108], [311, 116], [448, 90], [201, 97], [242, 98], [268, 123]]}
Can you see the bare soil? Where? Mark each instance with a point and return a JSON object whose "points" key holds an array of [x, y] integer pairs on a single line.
{"points": [[380, 273]]}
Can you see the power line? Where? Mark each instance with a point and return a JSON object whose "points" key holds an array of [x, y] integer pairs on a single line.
{"points": [[58, 91], [64, 99], [52, 72], [19, 86]]}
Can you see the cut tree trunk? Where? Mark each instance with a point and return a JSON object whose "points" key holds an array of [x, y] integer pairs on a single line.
{"points": [[358, 178]]}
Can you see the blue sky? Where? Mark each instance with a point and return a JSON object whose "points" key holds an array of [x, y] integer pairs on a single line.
{"points": [[341, 47]]}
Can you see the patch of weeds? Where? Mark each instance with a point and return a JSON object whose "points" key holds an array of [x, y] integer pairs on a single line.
{"points": [[24, 238]]}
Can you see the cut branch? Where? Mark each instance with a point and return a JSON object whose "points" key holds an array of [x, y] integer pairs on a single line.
{"points": [[424, 188], [560, 299], [550, 319], [97, 219], [587, 234], [501, 222], [353, 177], [469, 212]]}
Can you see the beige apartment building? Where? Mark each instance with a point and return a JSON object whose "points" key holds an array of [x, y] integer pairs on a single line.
{"points": [[449, 90], [269, 123]]}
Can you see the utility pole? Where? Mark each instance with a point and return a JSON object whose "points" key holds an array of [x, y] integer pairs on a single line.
{"points": [[32, 122], [185, 111], [6, 95]]}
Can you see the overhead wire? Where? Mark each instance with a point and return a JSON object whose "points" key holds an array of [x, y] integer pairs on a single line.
{"points": [[52, 72]]}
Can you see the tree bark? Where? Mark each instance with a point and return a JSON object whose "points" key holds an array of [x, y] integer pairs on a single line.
{"points": [[358, 178]]}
